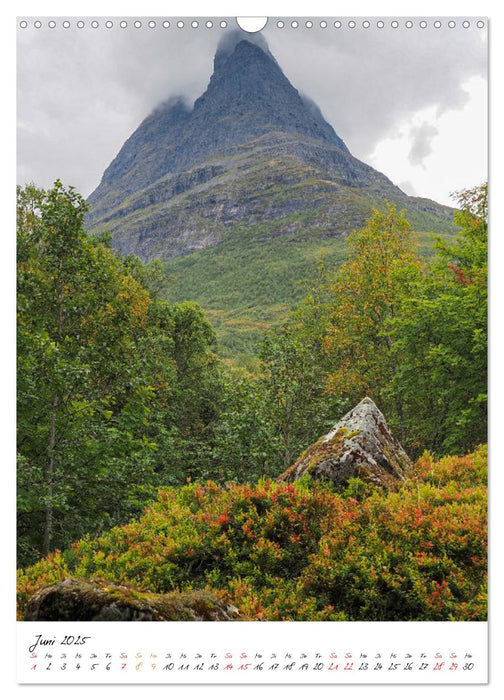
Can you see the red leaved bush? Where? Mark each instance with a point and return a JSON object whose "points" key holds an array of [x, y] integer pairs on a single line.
{"points": [[285, 552]]}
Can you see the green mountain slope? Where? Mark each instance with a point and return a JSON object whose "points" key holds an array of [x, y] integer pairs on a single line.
{"points": [[253, 278], [242, 193]]}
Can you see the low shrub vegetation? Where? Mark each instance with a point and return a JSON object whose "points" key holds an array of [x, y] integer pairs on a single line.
{"points": [[302, 551]]}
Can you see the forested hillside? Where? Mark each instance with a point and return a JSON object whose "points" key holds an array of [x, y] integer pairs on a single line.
{"points": [[124, 404]]}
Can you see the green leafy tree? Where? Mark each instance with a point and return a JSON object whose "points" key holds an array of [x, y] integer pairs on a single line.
{"points": [[294, 385], [367, 291], [273, 413], [84, 389], [410, 333], [245, 443], [440, 339], [184, 423]]}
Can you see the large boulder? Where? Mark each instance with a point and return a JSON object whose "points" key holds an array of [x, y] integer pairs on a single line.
{"points": [[98, 600], [360, 446]]}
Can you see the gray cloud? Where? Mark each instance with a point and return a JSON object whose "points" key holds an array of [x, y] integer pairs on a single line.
{"points": [[81, 92], [421, 142], [366, 81], [230, 39]]}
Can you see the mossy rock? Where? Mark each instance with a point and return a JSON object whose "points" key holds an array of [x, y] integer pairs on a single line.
{"points": [[359, 446], [98, 600]]}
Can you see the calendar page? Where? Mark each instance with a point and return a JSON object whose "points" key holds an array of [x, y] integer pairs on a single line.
{"points": [[251, 349]]}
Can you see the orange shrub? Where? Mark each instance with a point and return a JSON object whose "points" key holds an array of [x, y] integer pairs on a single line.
{"points": [[303, 552]]}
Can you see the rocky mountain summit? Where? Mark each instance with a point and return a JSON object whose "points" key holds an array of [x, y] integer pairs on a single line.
{"points": [[251, 149], [360, 445]]}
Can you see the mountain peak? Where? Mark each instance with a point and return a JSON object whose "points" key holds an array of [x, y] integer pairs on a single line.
{"points": [[253, 170], [250, 148], [249, 95], [230, 41]]}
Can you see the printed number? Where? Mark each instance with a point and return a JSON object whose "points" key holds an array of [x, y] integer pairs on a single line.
{"points": [[76, 641], [468, 667]]}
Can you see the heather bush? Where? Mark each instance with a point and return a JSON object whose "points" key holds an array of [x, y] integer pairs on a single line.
{"points": [[302, 551]]}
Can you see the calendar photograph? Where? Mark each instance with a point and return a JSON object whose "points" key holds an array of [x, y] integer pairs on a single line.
{"points": [[251, 334]]}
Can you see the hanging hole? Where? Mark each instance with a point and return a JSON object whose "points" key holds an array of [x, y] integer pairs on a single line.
{"points": [[251, 24]]}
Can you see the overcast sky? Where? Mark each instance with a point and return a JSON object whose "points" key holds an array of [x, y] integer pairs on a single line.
{"points": [[411, 102]]}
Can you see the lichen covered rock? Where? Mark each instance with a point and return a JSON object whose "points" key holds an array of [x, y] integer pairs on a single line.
{"points": [[360, 446], [98, 600]]}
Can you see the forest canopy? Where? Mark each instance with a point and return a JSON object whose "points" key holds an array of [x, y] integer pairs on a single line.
{"points": [[121, 394]]}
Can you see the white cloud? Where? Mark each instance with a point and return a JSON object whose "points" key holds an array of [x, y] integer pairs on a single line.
{"points": [[449, 147]]}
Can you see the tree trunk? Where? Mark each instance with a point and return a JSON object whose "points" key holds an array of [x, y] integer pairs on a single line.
{"points": [[51, 447], [49, 513]]}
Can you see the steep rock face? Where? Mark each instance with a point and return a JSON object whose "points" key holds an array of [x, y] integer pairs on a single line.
{"points": [[96, 600], [149, 152], [247, 97], [359, 445], [250, 148]]}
